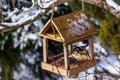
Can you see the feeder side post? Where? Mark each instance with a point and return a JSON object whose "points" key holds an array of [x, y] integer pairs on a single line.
{"points": [[45, 49], [70, 48], [91, 48], [66, 60]]}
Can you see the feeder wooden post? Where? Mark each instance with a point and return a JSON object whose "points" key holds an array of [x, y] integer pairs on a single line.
{"points": [[91, 48], [45, 49], [66, 60], [70, 48]]}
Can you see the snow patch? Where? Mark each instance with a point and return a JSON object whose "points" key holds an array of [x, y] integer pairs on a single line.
{"points": [[79, 26], [112, 3]]}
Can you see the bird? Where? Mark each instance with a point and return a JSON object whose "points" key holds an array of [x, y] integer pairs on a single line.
{"points": [[80, 50]]}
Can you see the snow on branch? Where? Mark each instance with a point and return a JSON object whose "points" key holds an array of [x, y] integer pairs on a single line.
{"points": [[100, 3], [25, 9], [105, 5], [12, 26]]}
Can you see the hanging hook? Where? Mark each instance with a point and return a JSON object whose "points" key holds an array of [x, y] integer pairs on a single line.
{"points": [[52, 14]]}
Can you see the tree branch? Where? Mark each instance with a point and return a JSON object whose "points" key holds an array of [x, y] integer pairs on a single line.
{"points": [[103, 4], [100, 3], [13, 26]]}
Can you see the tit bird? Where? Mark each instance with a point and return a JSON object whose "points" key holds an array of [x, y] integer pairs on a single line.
{"points": [[80, 50]]}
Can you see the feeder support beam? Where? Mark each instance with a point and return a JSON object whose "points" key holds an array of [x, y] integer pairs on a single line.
{"points": [[45, 49], [66, 60], [91, 48], [70, 48]]}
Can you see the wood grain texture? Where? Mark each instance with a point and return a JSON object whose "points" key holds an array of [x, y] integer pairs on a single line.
{"points": [[62, 29], [66, 59], [91, 47], [74, 68], [45, 50]]}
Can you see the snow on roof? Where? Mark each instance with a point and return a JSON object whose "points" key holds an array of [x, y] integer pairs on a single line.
{"points": [[79, 26], [70, 27]]}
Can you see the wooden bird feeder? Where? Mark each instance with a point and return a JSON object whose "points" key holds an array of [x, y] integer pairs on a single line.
{"points": [[68, 29]]}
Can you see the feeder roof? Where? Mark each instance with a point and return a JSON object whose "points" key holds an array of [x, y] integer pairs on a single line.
{"points": [[69, 28]]}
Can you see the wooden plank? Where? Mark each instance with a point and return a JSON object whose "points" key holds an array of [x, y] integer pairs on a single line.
{"points": [[84, 66], [70, 49], [66, 59], [45, 27], [45, 49], [45, 36], [73, 67], [77, 39], [56, 27], [74, 70], [54, 69], [57, 36], [91, 47]]}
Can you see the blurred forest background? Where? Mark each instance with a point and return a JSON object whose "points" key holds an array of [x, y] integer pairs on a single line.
{"points": [[21, 49]]}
